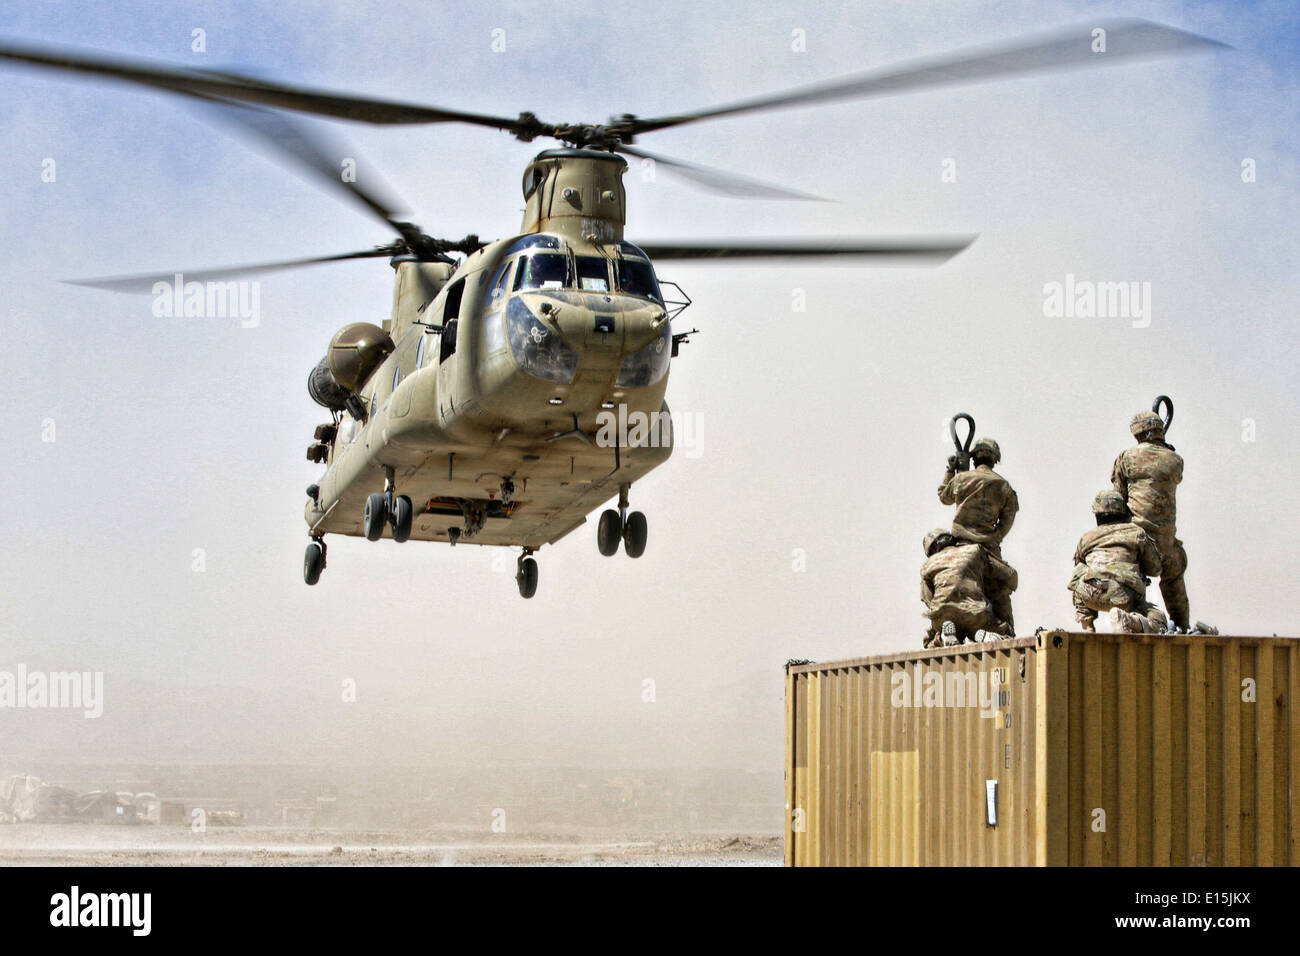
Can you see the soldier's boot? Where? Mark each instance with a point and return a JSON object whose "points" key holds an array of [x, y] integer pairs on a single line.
{"points": [[950, 637], [1087, 619], [1174, 591], [1153, 620], [1125, 621]]}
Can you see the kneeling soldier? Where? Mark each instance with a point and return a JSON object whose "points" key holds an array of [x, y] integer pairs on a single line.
{"points": [[1111, 568], [952, 587]]}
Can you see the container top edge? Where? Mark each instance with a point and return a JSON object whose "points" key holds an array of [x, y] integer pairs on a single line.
{"points": [[1216, 640]]}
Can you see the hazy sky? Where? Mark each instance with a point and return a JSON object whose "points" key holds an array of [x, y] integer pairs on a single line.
{"points": [[821, 430]]}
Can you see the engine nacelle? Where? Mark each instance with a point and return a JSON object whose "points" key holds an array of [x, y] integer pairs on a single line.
{"points": [[354, 353]]}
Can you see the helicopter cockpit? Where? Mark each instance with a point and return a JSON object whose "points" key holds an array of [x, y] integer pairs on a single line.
{"points": [[545, 263]]}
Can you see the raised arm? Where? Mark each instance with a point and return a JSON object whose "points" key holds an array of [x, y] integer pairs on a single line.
{"points": [[947, 487]]}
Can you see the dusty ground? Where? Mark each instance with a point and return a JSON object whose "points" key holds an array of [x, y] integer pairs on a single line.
{"points": [[76, 844]]}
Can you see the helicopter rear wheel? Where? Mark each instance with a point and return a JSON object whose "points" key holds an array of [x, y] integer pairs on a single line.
{"points": [[403, 515], [635, 533], [375, 517], [313, 562], [608, 532], [526, 577]]}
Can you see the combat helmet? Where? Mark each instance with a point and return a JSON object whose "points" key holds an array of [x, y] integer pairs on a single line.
{"points": [[1110, 503], [930, 539], [1144, 422], [987, 448]]}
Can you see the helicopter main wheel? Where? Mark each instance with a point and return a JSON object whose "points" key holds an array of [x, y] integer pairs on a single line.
{"points": [[608, 532], [526, 577], [313, 563], [634, 535], [376, 517], [403, 515]]}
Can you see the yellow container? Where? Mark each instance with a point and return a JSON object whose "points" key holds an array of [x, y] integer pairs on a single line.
{"points": [[1059, 749]]}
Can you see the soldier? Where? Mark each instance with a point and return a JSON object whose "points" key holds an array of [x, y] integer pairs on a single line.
{"points": [[986, 509], [952, 587], [1111, 568], [1147, 476]]}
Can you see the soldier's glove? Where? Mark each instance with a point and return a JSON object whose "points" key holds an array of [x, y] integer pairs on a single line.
{"points": [[952, 462]]}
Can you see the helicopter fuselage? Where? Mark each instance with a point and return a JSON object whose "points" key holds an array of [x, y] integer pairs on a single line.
{"points": [[493, 410]]}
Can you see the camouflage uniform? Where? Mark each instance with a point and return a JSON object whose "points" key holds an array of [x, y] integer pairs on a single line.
{"points": [[952, 587], [1147, 475], [986, 509], [1109, 567]]}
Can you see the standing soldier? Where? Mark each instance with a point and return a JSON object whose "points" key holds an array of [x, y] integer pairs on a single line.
{"points": [[1147, 475], [986, 509], [1111, 568]]}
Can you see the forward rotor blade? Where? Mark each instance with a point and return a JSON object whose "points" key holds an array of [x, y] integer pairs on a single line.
{"points": [[716, 180], [1070, 48], [247, 89], [145, 282], [917, 250]]}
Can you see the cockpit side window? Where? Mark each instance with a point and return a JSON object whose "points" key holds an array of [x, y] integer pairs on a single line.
{"points": [[593, 274], [533, 177], [500, 283], [637, 277], [544, 270]]}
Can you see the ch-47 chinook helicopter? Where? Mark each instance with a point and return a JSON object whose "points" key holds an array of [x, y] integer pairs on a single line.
{"points": [[474, 413]]}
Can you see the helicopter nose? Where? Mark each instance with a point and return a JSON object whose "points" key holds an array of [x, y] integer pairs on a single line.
{"points": [[603, 322]]}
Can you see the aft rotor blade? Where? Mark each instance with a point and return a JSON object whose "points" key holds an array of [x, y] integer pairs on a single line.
{"points": [[1070, 48], [919, 250], [308, 151], [145, 282], [718, 181], [246, 89]]}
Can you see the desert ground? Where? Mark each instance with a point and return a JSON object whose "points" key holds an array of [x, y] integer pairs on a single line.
{"points": [[79, 844]]}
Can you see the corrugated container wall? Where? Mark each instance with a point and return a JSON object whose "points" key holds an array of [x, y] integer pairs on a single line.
{"points": [[1063, 748]]}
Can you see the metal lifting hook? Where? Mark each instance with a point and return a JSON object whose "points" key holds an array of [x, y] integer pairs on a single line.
{"points": [[1168, 403], [963, 451]]}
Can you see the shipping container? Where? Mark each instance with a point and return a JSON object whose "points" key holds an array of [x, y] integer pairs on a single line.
{"points": [[1059, 749]]}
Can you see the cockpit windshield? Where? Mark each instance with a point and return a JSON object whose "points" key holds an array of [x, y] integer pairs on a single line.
{"points": [[544, 270], [546, 264], [593, 274], [637, 277]]}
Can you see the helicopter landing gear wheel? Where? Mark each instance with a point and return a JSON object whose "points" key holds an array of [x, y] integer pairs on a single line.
{"points": [[608, 532], [403, 515], [313, 563], [526, 576], [375, 517], [634, 535]]}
